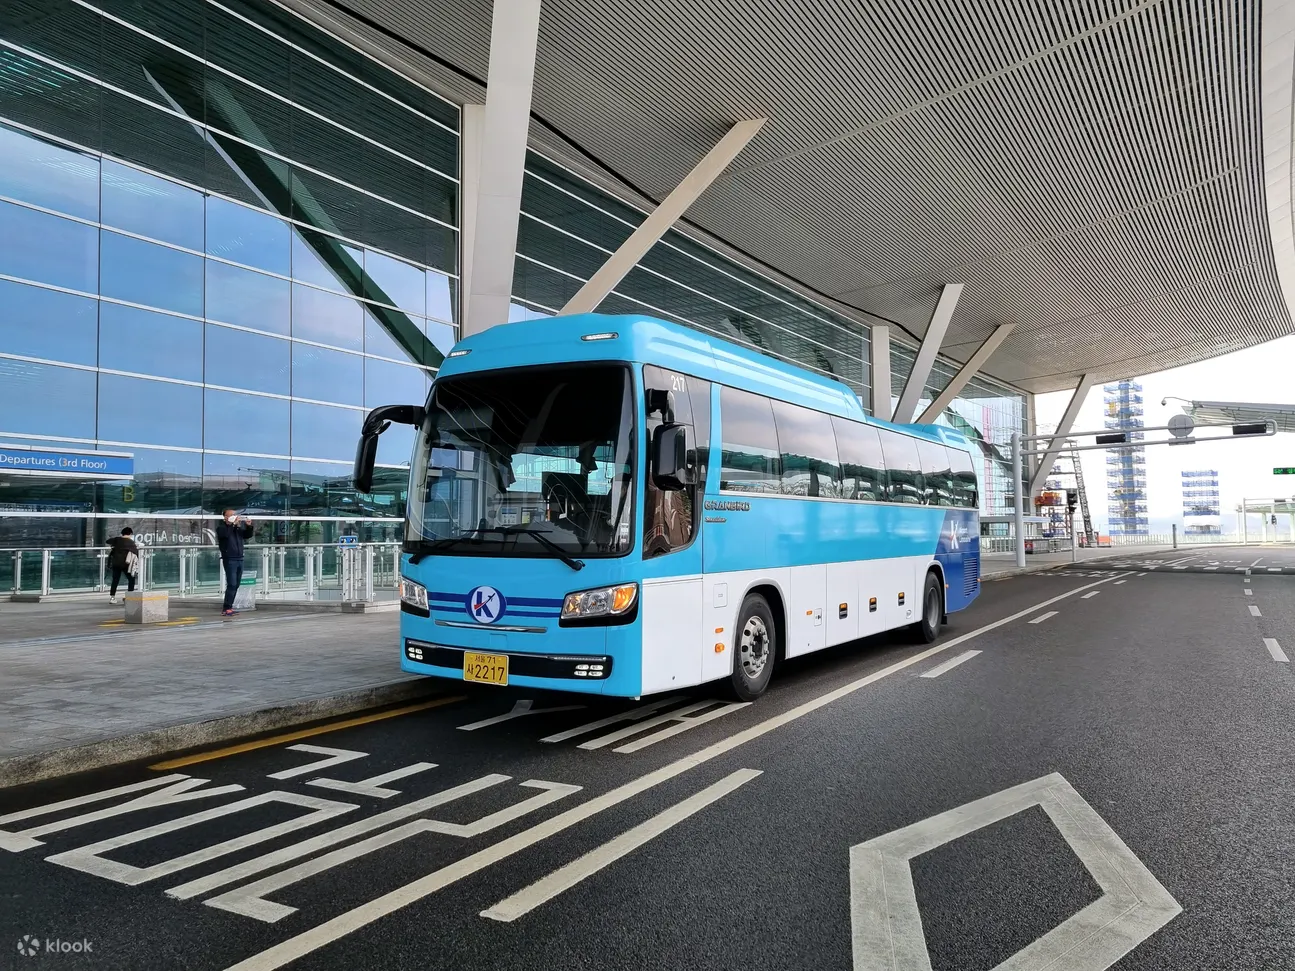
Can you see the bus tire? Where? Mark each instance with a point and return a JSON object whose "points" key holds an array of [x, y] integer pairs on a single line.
{"points": [[927, 629], [755, 646]]}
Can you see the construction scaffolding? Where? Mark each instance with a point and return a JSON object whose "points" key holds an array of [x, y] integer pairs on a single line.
{"points": [[1126, 468]]}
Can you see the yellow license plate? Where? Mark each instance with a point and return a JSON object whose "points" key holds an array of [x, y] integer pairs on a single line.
{"points": [[486, 668]]}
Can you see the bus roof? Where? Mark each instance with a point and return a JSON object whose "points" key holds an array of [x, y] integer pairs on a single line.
{"points": [[647, 340]]}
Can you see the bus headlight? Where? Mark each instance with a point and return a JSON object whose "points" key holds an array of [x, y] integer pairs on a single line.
{"points": [[414, 594], [608, 602]]}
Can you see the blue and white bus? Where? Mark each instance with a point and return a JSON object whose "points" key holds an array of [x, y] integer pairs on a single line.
{"points": [[623, 506]]}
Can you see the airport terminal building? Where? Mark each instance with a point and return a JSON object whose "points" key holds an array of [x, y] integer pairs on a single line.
{"points": [[228, 228]]}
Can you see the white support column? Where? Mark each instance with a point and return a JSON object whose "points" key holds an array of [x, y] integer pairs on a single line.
{"points": [[881, 404], [966, 373], [1063, 429], [935, 332], [472, 124], [663, 217], [500, 159]]}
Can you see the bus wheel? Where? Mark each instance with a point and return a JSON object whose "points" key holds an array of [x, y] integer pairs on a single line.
{"points": [[756, 643], [928, 628]]}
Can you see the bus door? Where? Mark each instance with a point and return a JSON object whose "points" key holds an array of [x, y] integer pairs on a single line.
{"points": [[675, 644]]}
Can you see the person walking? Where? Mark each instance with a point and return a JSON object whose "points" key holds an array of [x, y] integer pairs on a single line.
{"points": [[122, 556], [230, 536]]}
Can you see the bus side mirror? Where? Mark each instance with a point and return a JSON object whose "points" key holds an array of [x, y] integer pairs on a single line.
{"points": [[378, 421], [671, 470]]}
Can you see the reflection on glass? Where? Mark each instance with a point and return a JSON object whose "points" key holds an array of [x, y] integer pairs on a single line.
{"points": [[321, 432], [150, 206], [254, 486], [248, 298], [48, 175], [149, 412], [237, 359], [327, 318], [325, 375], [247, 236], [326, 489], [440, 296], [166, 481], [44, 399], [46, 323], [442, 336], [393, 384], [48, 249], [394, 282], [343, 270], [153, 275], [235, 422], [149, 342]]}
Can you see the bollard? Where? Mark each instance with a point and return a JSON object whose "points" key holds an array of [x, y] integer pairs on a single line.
{"points": [[1175, 529], [45, 557]]}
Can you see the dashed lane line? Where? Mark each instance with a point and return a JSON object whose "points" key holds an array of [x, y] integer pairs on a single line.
{"points": [[1091, 593], [1275, 650], [1254, 611], [1042, 617], [950, 664], [311, 940]]}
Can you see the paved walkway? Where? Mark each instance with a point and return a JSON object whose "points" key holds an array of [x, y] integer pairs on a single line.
{"points": [[71, 674], [1004, 564]]}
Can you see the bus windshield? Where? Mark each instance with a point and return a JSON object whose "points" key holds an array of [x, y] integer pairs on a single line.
{"points": [[531, 462]]}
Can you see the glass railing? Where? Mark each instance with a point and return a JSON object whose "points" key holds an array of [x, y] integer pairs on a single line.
{"points": [[361, 572]]}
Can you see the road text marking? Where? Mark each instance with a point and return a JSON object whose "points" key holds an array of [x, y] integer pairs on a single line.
{"points": [[545, 889], [950, 664]]}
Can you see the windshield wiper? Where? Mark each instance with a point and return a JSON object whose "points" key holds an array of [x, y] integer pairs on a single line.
{"points": [[543, 540]]}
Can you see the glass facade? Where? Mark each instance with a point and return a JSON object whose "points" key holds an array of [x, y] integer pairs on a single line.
{"points": [[985, 411], [223, 236]]}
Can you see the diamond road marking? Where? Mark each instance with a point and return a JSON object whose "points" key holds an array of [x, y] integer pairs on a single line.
{"points": [[886, 924]]}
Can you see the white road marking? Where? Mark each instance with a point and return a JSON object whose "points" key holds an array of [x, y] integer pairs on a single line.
{"points": [[89, 858], [374, 785], [333, 756], [950, 664], [1211, 568], [250, 900], [634, 714], [886, 925], [1275, 650], [682, 724], [1180, 568], [1274, 569], [1257, 562], [560, 880], [1246, 580], [522, 708], [1118, 582], [333, 929], [1249, 592], [1042, 617], [1090, 594], [1254, 611], [1141, 574], [177, 790]]}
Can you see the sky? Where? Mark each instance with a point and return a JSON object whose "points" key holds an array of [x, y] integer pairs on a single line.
{"points": [[1262, 375]]}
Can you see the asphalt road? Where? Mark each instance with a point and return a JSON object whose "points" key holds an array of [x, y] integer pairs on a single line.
{"points": [[1113, 772]]}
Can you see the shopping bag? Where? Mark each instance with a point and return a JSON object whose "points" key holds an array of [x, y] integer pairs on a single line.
{"points": [[245, 598]]}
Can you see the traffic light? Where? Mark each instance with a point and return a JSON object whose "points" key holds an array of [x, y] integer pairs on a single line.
{"points": [[1072, 500], [1274, 519]]}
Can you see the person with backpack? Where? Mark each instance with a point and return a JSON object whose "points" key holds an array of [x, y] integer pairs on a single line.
{"points": [[123, 558], [230, 536]]}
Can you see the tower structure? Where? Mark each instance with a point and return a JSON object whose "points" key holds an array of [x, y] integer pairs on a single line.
{"points": [[1126, 468]]}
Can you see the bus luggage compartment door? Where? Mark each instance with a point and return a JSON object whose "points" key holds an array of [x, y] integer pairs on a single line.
{"points": [[673, 623]]}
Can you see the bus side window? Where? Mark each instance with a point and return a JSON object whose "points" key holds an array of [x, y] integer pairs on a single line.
{"points": [[670, 518], [937, 471], [810, 466], [863, 469], [750, 461], [966, 491], [904, 465]]}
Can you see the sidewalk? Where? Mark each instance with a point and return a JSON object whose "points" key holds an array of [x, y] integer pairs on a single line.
{"points": [[997, 565], [80, 690]]}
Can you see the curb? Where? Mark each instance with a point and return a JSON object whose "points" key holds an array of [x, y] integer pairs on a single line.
{"points": [[20, 770], [1017, 571]]}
